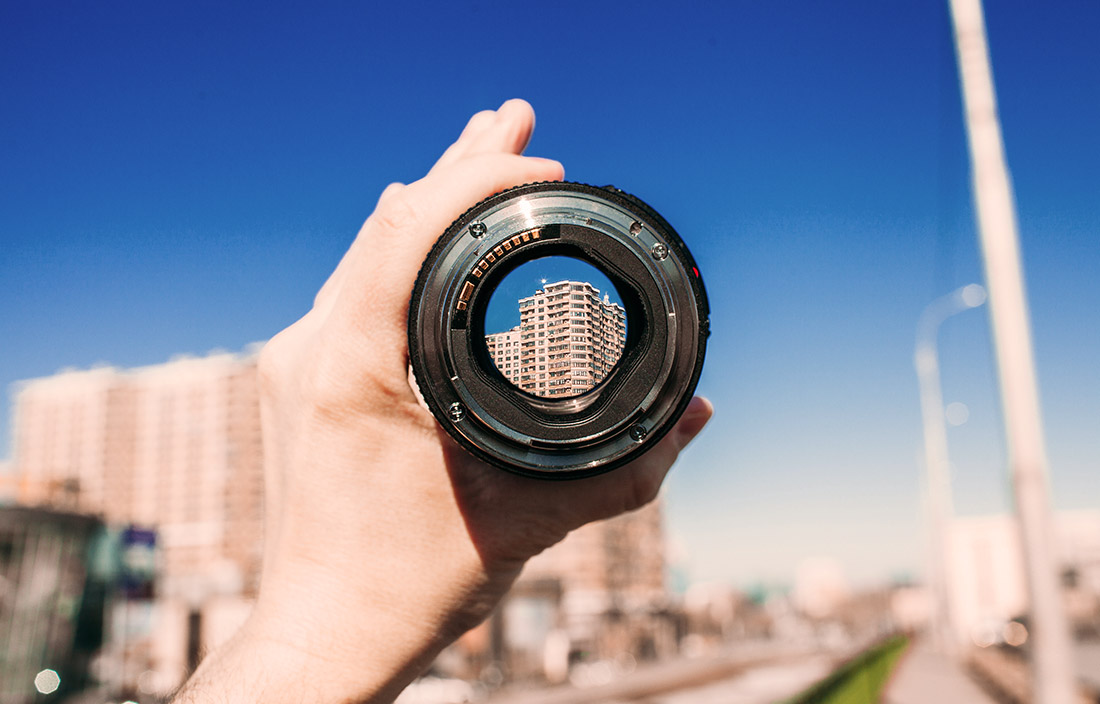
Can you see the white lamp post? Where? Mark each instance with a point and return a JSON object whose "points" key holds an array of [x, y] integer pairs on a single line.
{"points": [[1052, 648], [940, 502]]}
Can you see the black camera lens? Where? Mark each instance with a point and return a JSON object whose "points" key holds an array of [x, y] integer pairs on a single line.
{"points": [[558, 329]]}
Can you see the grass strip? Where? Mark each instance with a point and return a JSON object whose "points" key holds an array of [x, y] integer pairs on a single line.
{"points": [[858, 681]]}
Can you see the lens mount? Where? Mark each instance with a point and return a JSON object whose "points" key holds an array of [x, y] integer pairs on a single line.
{"points": [[662, 348]]}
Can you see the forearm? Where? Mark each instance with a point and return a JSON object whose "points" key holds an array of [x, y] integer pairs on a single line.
{"points": [[279, 657], [256, 668], [354, 612]]}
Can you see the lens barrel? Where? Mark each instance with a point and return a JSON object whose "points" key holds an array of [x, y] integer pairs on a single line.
{"points": [[612, 402]]}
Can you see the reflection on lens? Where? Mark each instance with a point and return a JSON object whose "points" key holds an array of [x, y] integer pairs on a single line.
{"points": [[570, 331]]}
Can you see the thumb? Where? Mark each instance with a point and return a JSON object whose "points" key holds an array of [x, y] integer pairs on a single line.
{"points": [[698, 412]]}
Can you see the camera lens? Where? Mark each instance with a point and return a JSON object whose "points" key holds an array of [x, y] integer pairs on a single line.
{"points": [[558, 329]]}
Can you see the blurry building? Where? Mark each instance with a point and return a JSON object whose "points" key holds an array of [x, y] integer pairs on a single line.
{"points": [[568, 340], [174, 447], [504, 348], [598, 595], [911, 607], [717, 613], [988, 587], [820, 587], [9, 486]]}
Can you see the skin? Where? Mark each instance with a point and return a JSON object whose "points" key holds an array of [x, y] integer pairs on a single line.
{"points": [[385, 541]]}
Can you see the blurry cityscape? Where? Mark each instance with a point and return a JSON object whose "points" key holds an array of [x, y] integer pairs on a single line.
{"points": [[131, 540], [178, 176], [567, 341]]}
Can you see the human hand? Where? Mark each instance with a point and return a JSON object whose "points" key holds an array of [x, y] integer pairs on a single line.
{"points": [[385, 540]]}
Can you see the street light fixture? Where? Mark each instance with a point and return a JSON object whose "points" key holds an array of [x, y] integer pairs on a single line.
{"points": [[940, 503]]}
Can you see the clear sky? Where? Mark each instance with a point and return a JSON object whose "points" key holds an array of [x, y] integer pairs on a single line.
{"points": [[502, 313], [177, 177]]}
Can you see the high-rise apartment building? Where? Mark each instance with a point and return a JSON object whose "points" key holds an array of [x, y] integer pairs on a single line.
{"points": [[504, 348], [174, 446], [598, 595], [567, 341]]}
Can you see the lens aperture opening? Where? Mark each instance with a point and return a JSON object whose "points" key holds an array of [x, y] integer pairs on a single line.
{"points": [[555, 327]]}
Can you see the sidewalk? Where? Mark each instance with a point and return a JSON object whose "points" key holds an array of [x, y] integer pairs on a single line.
{"points": [[924, 676]]}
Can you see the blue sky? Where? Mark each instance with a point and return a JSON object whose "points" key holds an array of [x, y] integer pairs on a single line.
{"points": [[503, 309], [181, 177]]}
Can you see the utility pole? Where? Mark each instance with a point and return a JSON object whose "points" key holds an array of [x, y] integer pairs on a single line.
{"points": [[1051, 650]]}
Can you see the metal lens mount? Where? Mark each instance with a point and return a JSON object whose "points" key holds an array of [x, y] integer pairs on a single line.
{"points": [[640, 398]]}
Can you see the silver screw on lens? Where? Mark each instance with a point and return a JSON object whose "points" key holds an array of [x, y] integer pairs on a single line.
{"points": [[659, 252]]}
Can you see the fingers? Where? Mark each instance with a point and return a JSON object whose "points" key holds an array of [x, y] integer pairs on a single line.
{"points": [[503, 131], [408, 219], [506, 130], [510, 132], [478, 123], [697, 414], [383, 262], [570, 505], [638, 483]]}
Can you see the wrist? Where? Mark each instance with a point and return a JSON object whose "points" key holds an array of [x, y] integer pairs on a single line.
{"points": [[354, 640], [272, 661]]}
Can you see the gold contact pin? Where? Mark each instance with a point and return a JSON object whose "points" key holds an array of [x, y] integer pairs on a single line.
{"points": [[467, 291]]}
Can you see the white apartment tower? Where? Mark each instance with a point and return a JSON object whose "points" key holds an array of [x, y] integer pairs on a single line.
{"points": [[567, 341]]}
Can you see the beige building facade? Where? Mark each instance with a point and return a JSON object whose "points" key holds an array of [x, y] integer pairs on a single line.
{"points": [[175, 447], [599, 595], [568, 340], [987, 582]]}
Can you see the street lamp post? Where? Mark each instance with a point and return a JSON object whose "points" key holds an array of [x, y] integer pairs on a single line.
{"points": [[938, 477], [1051, 645]]}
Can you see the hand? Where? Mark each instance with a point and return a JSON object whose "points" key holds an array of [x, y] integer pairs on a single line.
{"points": [[385, 540]]}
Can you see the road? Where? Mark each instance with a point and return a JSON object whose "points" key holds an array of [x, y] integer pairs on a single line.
{"points": [[765, 684], [760, 674]]}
